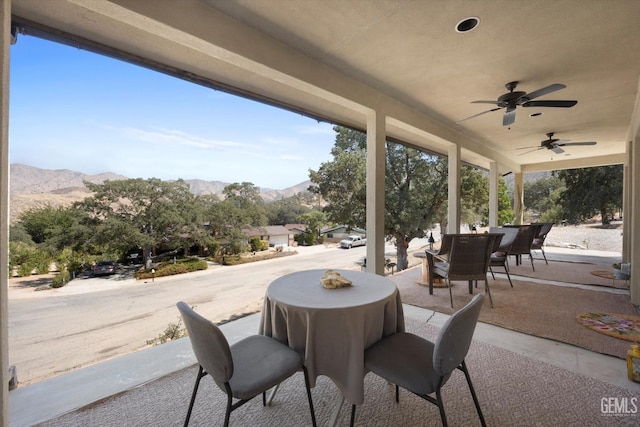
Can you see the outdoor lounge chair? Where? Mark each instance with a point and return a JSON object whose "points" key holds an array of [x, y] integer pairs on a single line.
{"points": [[243, 370], [538, 241], [500, 257], [423, 367], [468, 259]]}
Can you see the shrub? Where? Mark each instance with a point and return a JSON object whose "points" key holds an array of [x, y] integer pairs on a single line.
{"points": [[61, 279], [172, 332], [256, 244], [169, 268], [25, 269]]}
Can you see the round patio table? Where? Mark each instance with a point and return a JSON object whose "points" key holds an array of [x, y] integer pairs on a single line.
{"points": [[332, 328]]}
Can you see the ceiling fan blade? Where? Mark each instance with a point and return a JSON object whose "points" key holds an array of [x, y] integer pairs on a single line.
{"points": [[531, 151], [557, 150], [545, 90], [557, 104], [525, 148], [577, 143], [486, 102], [509, 117], [479, 114]]}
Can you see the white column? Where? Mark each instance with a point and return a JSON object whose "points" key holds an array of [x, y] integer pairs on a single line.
{"points": [[632, 222], [5, 27], [493, 194], [627, 208], [454, 190], [518, 198], [376, 161]]}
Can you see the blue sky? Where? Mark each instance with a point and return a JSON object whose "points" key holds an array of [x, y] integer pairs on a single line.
{"points": [[72, 109]]}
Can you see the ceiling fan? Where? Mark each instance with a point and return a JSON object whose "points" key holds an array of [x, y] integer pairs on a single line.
{"points": [[554, 144], [510, 100]]}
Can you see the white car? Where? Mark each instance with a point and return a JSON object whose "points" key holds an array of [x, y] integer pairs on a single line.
{"points": [[352, 241]]}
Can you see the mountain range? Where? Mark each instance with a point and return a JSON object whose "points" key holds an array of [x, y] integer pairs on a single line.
{"points": [[32, 187]]}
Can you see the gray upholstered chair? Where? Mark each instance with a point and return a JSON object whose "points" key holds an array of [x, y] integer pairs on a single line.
{"points": [[467, 259], [538, 240], [500, 257], [423, 367], [242, 370]]}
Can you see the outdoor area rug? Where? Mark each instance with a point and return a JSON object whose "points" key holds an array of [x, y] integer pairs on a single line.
{"points": [[513, 390], [620, 326], [570, 272], [546, 311]]}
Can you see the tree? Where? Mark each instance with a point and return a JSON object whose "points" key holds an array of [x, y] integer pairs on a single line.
{"points": [[416, 192], [474, 196], [139, 213], [342, 182], [286, 211], [505, 211], [414, 188], [243, 205], [591, 191], [539, 195], [314, 221]]}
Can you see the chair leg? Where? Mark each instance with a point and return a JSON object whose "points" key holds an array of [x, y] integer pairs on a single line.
{"points": [[227, 414], [487, 290], [508, 276], [544, 256], [441, 407], [463, 368], [531, 258], [397, 394], [306, 382], [450, 294], [492, 275], [353, 415], [201, 374]]}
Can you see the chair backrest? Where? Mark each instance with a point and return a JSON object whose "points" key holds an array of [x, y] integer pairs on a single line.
{"points": [[445, 244], [507, 239], [545, 228], [470, 255], [524, 239], [209, 345], [454, 339]]}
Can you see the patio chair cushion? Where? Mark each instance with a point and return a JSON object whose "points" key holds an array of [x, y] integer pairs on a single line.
{"points": [[260, 363], [411, 368]]}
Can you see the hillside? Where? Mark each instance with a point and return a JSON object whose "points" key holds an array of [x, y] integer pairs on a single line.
{"points": [[32, 187]]}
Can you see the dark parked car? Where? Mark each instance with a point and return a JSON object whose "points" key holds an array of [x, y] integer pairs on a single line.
{"points": [[104, 268]]}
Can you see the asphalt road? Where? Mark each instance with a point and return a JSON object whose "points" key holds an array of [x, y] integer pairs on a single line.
{"points": [[91, 320]]}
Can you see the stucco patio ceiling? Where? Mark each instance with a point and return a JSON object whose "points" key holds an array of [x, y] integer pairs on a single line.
{"points": [[335, 59]]}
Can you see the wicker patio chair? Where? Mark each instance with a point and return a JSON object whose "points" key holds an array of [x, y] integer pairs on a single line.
{"points": [[500, 257], [538, 241], [468, 259]]}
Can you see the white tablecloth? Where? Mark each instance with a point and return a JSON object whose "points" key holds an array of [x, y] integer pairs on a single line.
{"points": [[331, 328]]}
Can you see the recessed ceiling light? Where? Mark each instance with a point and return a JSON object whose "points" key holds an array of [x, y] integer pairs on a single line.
{"points": [[467, 24], [535, 114]]}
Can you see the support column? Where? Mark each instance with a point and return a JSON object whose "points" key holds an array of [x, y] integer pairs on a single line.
{"points": [[634, 227], [454, 189], [493, 194], [376, 162], [5, 27], [518, 198], [627, 208]]}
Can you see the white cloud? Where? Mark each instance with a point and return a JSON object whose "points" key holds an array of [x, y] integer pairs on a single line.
{"points": [[316, 129]]}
